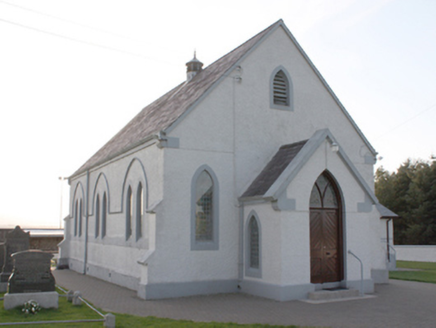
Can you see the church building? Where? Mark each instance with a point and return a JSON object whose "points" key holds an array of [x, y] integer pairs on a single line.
{"points": [[249, 176]]}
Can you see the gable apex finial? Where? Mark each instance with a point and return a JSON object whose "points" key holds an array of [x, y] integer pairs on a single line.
{"points": [[194, 66]]}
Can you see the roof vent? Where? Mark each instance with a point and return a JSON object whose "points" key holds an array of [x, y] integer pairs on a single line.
{"points": [[194, 66]]}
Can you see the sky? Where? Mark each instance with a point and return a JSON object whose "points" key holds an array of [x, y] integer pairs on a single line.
{"points": [[73, 73]]}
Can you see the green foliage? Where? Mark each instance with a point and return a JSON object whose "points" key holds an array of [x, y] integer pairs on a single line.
{"points": [[411, 193], [420, 271]]}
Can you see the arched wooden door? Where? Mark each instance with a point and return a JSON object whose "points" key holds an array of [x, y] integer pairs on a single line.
{"points": [[326, 258]]}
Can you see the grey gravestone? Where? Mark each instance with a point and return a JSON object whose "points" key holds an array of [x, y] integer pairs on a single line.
{"points": [[32, 273], [16, 241], [70, 295], [76, 298]]}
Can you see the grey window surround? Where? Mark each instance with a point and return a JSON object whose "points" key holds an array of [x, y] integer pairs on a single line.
{"points": [[213, 244], [289, 91], [250, 271]]}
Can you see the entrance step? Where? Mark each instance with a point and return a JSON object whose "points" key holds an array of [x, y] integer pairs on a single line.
{"points": [[333, 294]]}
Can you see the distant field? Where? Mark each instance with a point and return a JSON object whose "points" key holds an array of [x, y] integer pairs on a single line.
{"points": [[419, 271]]}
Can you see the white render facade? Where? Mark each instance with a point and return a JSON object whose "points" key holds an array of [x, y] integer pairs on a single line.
{"points": [[134, 211]]}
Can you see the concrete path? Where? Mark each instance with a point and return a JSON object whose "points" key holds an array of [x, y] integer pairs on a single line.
{"points": [[399, 304]]}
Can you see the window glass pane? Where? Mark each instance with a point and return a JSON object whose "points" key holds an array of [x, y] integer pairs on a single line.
{"points": [[103, 217], [139, 211], [330, 199], [315, 198], [254, 243], [97, 216], [322, 183], [80, 218], [204, 207], [75, 218], [129, 210]]}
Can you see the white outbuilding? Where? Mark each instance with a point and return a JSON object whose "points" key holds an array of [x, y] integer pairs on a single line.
{"points": [[249, 176]]}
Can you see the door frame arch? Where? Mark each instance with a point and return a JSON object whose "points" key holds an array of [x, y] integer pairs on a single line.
{"points": [[340, 220]]}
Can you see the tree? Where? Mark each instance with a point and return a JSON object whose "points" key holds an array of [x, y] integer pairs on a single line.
{"points": [[411, 193]]}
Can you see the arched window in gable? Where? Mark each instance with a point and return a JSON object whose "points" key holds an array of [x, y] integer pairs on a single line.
{"points": [[139, 210], [204, 210], [129, 212], [281, 89], [97, 216], [103, 216]]}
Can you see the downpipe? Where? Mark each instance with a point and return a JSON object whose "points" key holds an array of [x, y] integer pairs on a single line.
{"points": [[361, 293]]}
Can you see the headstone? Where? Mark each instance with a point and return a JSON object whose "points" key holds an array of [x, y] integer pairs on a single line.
{"points": [[70, 295], [16, 241], [109, 320], [32, 273]]}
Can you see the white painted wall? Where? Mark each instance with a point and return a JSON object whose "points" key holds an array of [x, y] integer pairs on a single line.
{"points": [[419, 253], [174, 261], [113, 253]]}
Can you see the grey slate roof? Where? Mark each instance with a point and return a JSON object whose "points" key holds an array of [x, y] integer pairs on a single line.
{"points": [[273, 169], [385, 212], [163, 112]]}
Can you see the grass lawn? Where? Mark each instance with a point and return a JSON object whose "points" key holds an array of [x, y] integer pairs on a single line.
{"points": [[426, 273], [67, 311]]}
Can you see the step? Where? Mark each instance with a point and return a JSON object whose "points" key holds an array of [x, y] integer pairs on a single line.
{"points": [[331, 294]]}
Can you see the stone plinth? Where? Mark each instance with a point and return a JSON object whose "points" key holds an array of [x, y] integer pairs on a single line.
{"points": [[45, 300]]}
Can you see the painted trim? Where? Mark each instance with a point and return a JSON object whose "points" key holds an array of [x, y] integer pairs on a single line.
{"points": [[97, 190], [284, 204], [205, 245], [250, 271], [189, 288], [290, 90], [279, 186], [145, 184], [276, 292]]}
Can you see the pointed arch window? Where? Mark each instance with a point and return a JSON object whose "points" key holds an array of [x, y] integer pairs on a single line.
{"points": [[323, 194], [76, 216], [204, 210], [97, 216], [129, 212], [139, 210], [281, 89], [254, 243], [103, 216], [80, 217], [253, 246]]}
